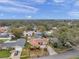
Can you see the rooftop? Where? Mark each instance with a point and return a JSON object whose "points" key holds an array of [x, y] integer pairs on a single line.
{"points": [[19, 42]]}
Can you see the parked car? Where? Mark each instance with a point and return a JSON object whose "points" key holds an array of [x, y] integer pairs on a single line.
{"points": [[16, 53]]}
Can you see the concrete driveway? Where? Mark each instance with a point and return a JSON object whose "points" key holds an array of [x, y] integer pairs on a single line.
{"points": [[66, 55], [51, 51], [18, 56]]}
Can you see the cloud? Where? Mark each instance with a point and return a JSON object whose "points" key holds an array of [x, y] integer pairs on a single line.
{"points": [[28, 17], [16, 6], [39, 1], [58, 1], [15, 10], [74, 13], [3, 1], [30, 8], [77, 3]]}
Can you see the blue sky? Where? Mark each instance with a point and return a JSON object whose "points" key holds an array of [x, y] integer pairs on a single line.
{"points": [[39, 9]]}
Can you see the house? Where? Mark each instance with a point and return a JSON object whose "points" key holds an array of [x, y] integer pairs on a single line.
{"points": [[49, 33], [54, 28], [18, 44], [38, 34], [35, 27], [3, 29], [69, 23], [28, 33], [5, 36], [35, 34], [39, 42]]}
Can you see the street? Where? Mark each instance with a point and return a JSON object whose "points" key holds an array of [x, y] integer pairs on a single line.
{"points": [[66, 55]]}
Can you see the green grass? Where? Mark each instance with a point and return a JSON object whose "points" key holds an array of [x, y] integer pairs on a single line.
{"points": [[24, 58], [4, 53], [77, 58], [25, 52], [3, 40]]}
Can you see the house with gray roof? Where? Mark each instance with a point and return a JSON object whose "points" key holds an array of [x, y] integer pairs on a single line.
{"points": [[13, 44], [4, 36], [38, 34]]}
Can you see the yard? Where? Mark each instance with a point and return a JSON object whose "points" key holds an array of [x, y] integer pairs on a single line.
{"points": [[1, 40], [25, 52], [29, 52], [38, 52], [4, 53]]}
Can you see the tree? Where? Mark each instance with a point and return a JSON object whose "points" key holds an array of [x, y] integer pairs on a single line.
{"points": [[17, 32]]}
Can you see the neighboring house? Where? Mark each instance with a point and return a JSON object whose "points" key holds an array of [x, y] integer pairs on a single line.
{"points": [[48, 33], [11, 35], [54, 28], [4, 29], [38, 34], [5, 36], [29, 33], [39, 42], [69, 23], [13, 44], [32, 33]]}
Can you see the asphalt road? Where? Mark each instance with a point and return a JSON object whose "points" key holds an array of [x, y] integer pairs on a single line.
{"points": [[65, 55]]}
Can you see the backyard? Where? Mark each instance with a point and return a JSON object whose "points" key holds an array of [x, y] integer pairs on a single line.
{"points": [[4, 53]]}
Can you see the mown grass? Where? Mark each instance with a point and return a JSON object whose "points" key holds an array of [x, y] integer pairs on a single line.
{"points": [[4, 53]]}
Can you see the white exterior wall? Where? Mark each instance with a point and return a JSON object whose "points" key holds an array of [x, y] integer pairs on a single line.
{"points": [[9, 38]]}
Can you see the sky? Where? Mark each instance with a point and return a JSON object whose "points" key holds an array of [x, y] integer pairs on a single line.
{"points": [[39, 9]]}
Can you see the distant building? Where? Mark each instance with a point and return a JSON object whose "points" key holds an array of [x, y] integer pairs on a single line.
{"points": [[32, 33], [4, 35], [54, 28], [69, 23], [35, 28], [28, 33], [49, 33], [3, 29]]}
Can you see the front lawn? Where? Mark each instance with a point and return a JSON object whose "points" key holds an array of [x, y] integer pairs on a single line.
{"points": [[4, 53], [27, 53], [2, 40], [30, 52]]}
